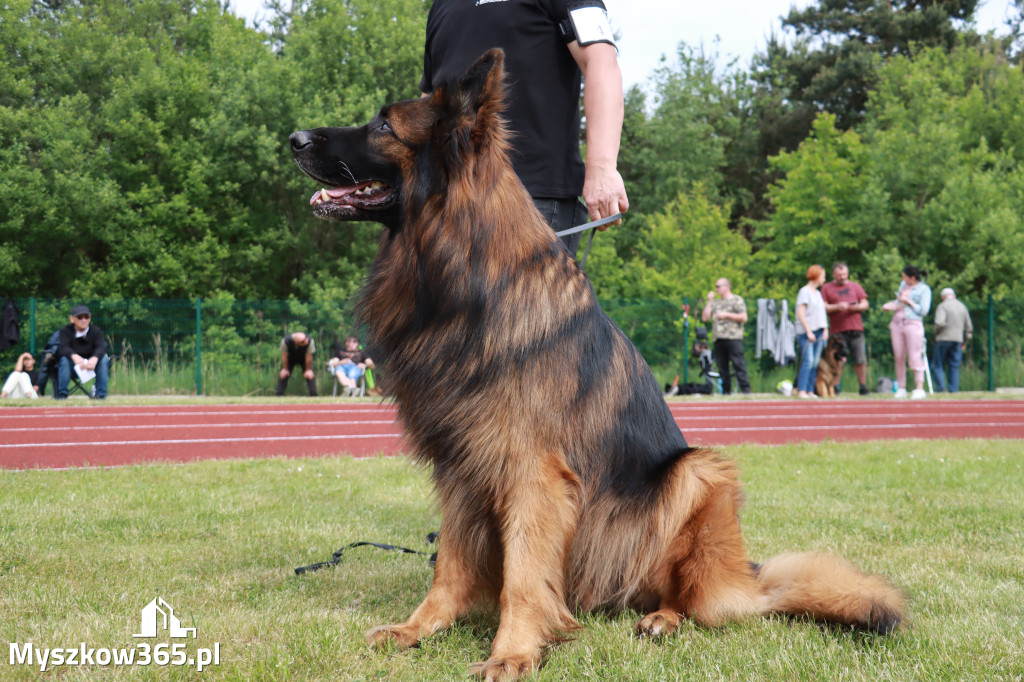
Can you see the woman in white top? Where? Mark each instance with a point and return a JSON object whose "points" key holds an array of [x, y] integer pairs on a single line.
{"points": [[812, 328]]}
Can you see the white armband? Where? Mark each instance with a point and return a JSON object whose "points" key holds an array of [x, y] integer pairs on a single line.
{"points": [[590, 25]]}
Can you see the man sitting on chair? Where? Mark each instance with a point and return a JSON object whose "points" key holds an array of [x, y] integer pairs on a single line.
{"points": [[349, 364], [82, 349]]}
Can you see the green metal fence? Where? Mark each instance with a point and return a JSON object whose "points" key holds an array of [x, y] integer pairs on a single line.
{"points": [[226, 346]]}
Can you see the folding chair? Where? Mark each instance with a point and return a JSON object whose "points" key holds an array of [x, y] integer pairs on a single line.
{"points": [[76, 385]]}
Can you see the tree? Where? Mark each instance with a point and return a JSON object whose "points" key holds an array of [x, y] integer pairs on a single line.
{"points": [[828, 207], [946, 139], [681, 250], [933, 178], [143, 145], [842, 42]]}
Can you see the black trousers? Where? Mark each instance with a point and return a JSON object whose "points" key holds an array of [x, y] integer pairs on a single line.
{"points": [[282, 383], [731, 351]]}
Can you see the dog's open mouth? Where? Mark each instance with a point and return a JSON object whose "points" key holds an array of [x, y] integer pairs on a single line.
{"points": [[367, 196]]}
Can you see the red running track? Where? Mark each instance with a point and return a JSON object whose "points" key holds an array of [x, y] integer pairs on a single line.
{"points": [[56, 437]]}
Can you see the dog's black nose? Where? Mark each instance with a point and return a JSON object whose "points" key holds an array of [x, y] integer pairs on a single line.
{"points": [[301, 140]]}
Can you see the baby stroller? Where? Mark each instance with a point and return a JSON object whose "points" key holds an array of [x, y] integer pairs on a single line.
{"points": [[702, 351]]}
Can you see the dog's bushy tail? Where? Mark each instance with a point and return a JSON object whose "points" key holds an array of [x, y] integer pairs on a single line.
{"points": [[830, 589]]}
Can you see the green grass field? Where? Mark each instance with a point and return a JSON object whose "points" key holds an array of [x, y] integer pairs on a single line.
{"points": [[83, 551]]}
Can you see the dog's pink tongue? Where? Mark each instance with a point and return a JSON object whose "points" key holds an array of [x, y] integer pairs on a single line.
{"points": [[333, 193]]}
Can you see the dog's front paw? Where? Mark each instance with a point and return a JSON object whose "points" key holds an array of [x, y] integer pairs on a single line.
{"points": [[509, 668], [402, 636], [658, 624]]}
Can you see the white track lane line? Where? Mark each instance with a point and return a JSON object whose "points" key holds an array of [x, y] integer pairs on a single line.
{"points": [[188, 425], [177, 441], [846, 427], [57, 413]]}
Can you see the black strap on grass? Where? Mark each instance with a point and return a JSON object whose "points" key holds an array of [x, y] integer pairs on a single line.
{"points": [[336, 557]]}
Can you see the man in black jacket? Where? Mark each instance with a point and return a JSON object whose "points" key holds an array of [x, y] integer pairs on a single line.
{"points": [[83, 349]]}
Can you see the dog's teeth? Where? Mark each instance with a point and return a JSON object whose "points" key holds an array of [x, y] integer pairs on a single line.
{"points": [[323, 195]]}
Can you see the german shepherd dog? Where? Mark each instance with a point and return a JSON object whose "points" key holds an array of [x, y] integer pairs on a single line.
{"points": [[564, 483], [830, 366]]}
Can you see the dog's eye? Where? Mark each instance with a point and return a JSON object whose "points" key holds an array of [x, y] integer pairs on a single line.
{"points": [[385, 126]]}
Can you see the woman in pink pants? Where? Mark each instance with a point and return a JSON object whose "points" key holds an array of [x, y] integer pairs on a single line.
{"points": [[913, 300]]}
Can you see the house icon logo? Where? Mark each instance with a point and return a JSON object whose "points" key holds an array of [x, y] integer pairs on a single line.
{"points": [[159, 612]]}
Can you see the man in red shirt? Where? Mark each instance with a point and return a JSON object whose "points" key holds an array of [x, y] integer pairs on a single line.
{"points": [[844, 302]]}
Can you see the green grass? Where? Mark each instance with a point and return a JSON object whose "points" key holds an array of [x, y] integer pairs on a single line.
{"points": [[82, 551]]}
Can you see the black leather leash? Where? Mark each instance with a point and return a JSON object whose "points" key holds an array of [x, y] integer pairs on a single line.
{"points": [[336, 557]]}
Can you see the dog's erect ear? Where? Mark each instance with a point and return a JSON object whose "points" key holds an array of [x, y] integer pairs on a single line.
{"points": [[483, 86], [471, 108]]}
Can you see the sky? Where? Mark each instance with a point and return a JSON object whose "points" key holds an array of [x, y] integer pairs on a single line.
{"points": [[650, 29]]}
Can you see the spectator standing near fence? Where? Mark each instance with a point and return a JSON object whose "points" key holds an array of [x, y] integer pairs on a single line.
{"points": [[845, 300], [297, 350], [728, 314], [953, 331], [913, 301], [812, 328], [82, 348]]}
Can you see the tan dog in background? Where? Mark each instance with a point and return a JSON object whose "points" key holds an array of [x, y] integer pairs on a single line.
{"points": [[830, 368]]}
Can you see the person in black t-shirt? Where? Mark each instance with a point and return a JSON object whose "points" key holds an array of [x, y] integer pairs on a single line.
{"points": [[297, 351], [550, 45]]}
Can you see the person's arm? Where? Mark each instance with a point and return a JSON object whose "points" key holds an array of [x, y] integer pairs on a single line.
{"points": [[801, 317], [940, 319], [309, 366], [831, 307], [968, 328], [705, 314], [604, 192], [99, 348], [740, 317], [64, 344]]}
